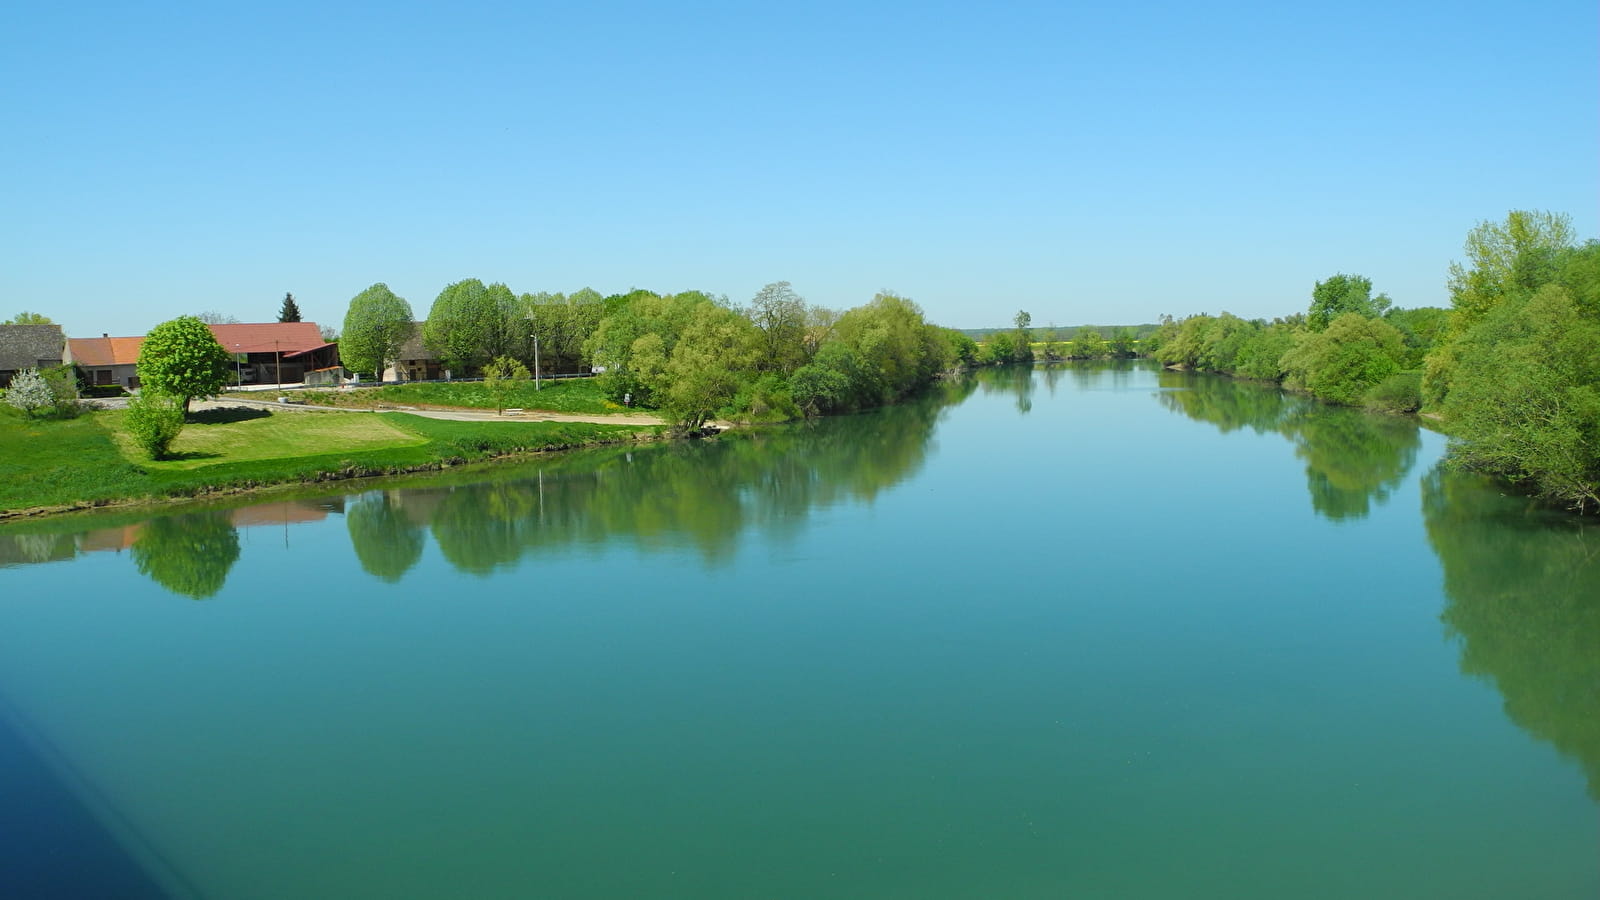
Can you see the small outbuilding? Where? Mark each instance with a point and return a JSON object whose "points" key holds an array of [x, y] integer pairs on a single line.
{"points": [[30, 347]]}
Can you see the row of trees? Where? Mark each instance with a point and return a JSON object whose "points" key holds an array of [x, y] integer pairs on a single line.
{"points": [[1351, 347], [1017, 344], [689, 354], [1512, 367], [694, 356], [470, 325]]}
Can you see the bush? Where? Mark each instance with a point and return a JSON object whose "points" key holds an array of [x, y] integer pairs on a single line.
{"points": [[154, 420], [1399, 393], [767, 399], [30, 392]]}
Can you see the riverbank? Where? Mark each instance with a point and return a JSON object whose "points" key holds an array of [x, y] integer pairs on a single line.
{"points": [[49, 467]]}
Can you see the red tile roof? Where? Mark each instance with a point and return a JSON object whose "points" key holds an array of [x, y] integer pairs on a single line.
{"points": [[269, 337], [286, 338], [105, 351]]}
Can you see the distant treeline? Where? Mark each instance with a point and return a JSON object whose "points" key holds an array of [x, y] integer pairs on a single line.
{"points": [[1512, 368], [1067, 332]]}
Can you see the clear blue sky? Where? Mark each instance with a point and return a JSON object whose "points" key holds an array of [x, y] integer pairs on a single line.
{"points": [[1093, 162]]}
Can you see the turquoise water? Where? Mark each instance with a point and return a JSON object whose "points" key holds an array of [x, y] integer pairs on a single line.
{"points": [[1093, 632]]}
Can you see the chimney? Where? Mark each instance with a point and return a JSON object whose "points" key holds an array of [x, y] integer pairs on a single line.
{"points": [[105, 334]]}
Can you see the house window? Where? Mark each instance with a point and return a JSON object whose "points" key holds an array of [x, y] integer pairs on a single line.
{"points": [[103, 376]]}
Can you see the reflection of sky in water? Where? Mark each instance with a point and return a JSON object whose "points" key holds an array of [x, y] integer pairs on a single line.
{"points": [[1005, 654]]}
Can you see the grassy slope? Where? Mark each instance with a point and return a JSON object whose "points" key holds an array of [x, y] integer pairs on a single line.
{"points": [[569, 395], [90, 460]]}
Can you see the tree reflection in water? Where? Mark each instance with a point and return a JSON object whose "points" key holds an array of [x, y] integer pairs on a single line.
{"points": [[1354, 459], [188, 554], [703, 495], [1522, 587]]}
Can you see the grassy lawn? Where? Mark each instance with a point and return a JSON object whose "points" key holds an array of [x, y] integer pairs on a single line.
{"points": [[90, 459], [222, 436], [47, 462], [569, 395]]}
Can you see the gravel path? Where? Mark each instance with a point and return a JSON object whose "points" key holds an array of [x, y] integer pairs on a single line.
{"points": [[459, 415]]}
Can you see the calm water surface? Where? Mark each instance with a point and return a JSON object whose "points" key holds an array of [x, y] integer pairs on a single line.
{"points": [[1086, 632]]}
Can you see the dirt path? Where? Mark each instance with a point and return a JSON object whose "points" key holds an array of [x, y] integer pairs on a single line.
{"points": [[459, 415]]}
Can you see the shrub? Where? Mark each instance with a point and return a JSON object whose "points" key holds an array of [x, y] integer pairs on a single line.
{"points": [[154, 420], [30, 392], [767, 399], [1399, 393]]}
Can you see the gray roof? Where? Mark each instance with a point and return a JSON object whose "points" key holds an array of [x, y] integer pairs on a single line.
{"points": [[31, 346], [412, 349]]}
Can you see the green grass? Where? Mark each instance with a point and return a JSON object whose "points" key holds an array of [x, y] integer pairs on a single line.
{"points": [[52, 462], [240, 435], [90, 460], [568, 395]]}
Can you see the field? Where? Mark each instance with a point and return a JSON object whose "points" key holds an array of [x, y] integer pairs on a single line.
{"points": [[90, 460]]}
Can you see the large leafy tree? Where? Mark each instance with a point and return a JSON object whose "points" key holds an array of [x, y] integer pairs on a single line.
{"points": [[28, 318], [1343, 294], [781, 315], [375, 325], [1505, 260], [471, 323], [1341, 364], [181, 358], [290, 312], [1525, 401], [562, 324]]}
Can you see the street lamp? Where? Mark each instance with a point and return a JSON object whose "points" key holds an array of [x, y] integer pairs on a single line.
{"points": [[535, 336], [238, 373]]}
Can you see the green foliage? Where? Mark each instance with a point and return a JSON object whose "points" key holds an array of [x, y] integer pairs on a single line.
{"points": [[1399, 393], [1022, 349], [1517, 255], [767, 399], [1341, 295], [1000, 348], [1123, 344], [28, 318], [708, 364], [471, 323], [154, 420], [500, 376], [181, 358], [29, 392], [626, 321], [1524, 402], [835, 381], [376, 325], [562, 324], [962, 350], [1088, 344], [290, 311], [1420, 330], [781, 315], [1260, 355], [1341, 364]]}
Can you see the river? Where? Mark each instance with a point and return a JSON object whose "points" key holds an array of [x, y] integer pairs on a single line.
{"points": [[1088, 631]]}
